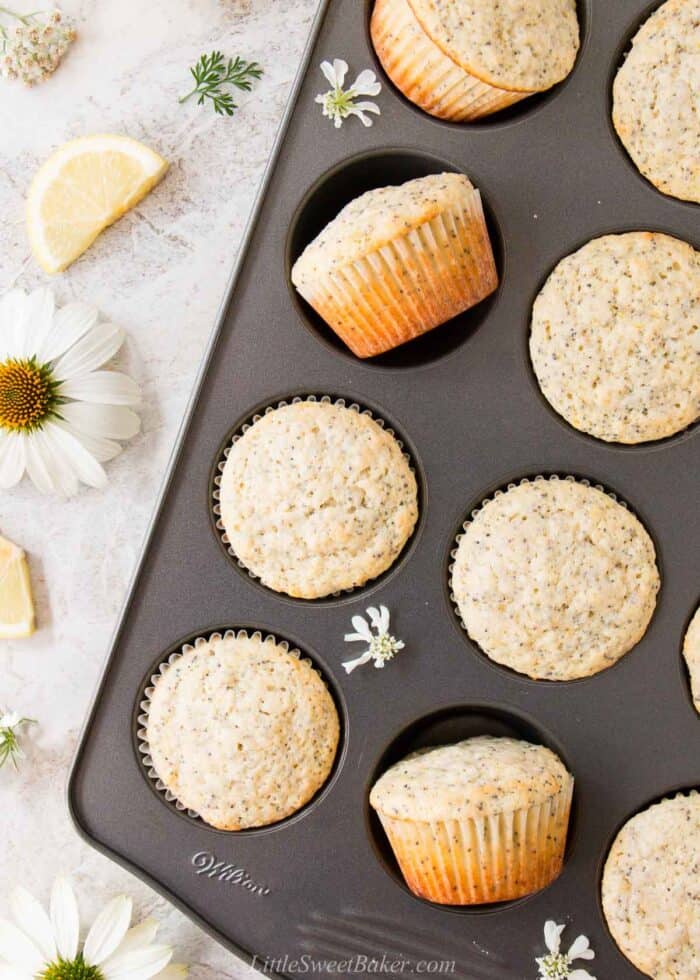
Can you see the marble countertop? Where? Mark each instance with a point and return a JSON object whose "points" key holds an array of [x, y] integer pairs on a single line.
{"points": [[160, 272]]}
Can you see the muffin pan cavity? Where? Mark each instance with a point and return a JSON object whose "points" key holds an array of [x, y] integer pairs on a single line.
{"points": [[538, 674], [519, 112], [634, 25], [215, 494], [445, 727], [343, 184], [140, 722], [649, 445]]}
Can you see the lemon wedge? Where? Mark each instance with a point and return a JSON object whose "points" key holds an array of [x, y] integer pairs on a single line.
{"points": [[16, 606], [81, 189]]}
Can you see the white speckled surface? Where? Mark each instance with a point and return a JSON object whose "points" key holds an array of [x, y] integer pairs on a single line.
{"points": [[160, 272]]}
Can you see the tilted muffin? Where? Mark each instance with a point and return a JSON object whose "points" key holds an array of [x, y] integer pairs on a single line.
{"points": [[242, 731], [484, 820], [615, 339], [317, 498], [656, 96], [398, 261], [691, 652], [464, 59], [555, 579], [650, 889]]}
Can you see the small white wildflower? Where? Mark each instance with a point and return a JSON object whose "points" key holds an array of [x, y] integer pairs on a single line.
{"points": [[339, 103], [557, 965], [32, 49], [382, 646], [11, 723]]}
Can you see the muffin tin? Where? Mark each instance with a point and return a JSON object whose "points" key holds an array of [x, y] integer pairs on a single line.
{"points": [[464, 401]]}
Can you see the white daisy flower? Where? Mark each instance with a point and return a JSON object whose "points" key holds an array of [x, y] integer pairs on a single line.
{"points": [[60, 415], [382, 646], [338, 103], [557, 965], [47, 947]]}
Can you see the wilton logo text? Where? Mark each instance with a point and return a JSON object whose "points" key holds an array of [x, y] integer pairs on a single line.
{"points": [[209, 866]]}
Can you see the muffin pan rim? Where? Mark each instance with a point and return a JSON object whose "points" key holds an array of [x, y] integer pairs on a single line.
{"points": [[519, 939]]}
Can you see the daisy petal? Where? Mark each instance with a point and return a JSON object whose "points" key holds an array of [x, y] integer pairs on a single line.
{"points": [[70, 323], [101, 421], [93, 350], [108, 930], [102, 449], [103, 388], [9, 973], [174, 971], [76, 455], [19, 951], [40, 466], [33, 921], [65, 919], [13, 459], [11, 314], [139, 964], [552, 935], [36, 322], [340, 70], [581, 949], [136, 938], [61, 466]]}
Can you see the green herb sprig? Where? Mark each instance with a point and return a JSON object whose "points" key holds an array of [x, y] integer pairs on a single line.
{"points": [[10, 725], [212, 72]]}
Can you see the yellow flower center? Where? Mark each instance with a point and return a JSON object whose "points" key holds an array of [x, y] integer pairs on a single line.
{"points": [[76, 969], [27, 394]]}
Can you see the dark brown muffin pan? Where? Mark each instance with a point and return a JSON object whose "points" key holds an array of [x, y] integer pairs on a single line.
{"points": [[322, 886]]}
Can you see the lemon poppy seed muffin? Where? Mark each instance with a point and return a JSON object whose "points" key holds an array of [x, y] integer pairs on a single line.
{"points": [[656, 100], [398, 261], [464, 59], [555, 579], [317, 498], [650, 889], [242, 731], [484, 820], [615, 340], [691, 652]]}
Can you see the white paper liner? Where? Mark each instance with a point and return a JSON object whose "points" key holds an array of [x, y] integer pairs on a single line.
{"points": [[476, 861], [147, 693], [498, 493], [426, 75], [221, 463]]}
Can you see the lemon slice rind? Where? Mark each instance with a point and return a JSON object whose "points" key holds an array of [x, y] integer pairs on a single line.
{"points": [[85, 186]]}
